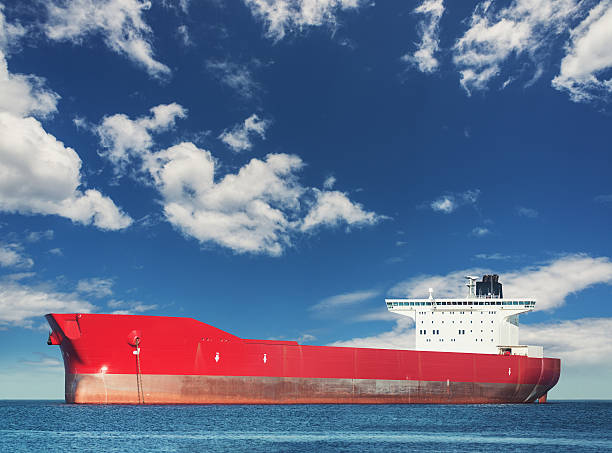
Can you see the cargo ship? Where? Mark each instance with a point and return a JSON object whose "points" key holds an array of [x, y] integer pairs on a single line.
{"points": [[467, 351]]}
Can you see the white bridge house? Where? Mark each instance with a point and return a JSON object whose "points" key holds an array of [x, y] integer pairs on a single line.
{"points": [[483, 322]]}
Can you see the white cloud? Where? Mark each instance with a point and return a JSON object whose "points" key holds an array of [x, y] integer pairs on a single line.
{"points": [[257, 210], [11, 256], [378, 315], [24, 95], [306, 337], [449, 285], [424, 57], [450, 202], [35, 236], [124, 138], [494, 36], [586, 341], [9, 33], [239, 137], [21, 305], [43, 361], [129, 307], [236, 76], [332, 208], [493, 256], [96, 287], [550, 283], [56, 251], [286, 16], [480, 231], [329, 182], [120, 22], [444, 204], [17, 276], [39, 175], [343, 300], [400, 337], [248, 212], [589, 55], [527, 212], [183, 33]]}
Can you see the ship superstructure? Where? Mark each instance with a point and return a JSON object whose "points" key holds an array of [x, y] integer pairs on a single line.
{"points": [[482, 322]]}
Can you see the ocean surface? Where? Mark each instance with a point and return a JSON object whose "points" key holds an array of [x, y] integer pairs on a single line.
{"points": [[557, 426]]}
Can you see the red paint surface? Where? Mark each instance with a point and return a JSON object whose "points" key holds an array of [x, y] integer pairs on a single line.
{"points": [[97, 343]]}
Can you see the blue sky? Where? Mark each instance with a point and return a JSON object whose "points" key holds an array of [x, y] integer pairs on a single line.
{"points": [[276, 168]]}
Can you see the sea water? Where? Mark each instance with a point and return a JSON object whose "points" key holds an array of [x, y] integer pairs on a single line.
{"points": [[556, 426]]}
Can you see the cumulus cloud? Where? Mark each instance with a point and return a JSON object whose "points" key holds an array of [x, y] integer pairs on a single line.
{"points": [[120, 22], [525, 27], [39, 175], [286, 16], [586, 341], [343, 300], [236, 76], [21, 305], [124, 138], [11, 256], [239, 137], [450, 202], [23, 95], [96, 287], [589, 56], [243, 211], [332, 208], [424, 57], [259, 209], [256, 210]]}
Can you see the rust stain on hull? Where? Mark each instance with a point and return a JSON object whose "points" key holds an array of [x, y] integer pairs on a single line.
{"points": [[197, 389]]}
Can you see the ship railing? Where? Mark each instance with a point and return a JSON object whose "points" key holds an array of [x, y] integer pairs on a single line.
{"points": [[513, 303]]}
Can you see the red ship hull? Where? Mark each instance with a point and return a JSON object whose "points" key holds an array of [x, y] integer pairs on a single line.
{"points": [[181, 360]]}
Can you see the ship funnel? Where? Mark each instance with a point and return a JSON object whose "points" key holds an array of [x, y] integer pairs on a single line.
{"points": [[489, 287]]}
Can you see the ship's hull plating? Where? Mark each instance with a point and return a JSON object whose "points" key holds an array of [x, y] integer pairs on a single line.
{"points": [[183, 361], [171, 389]]}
